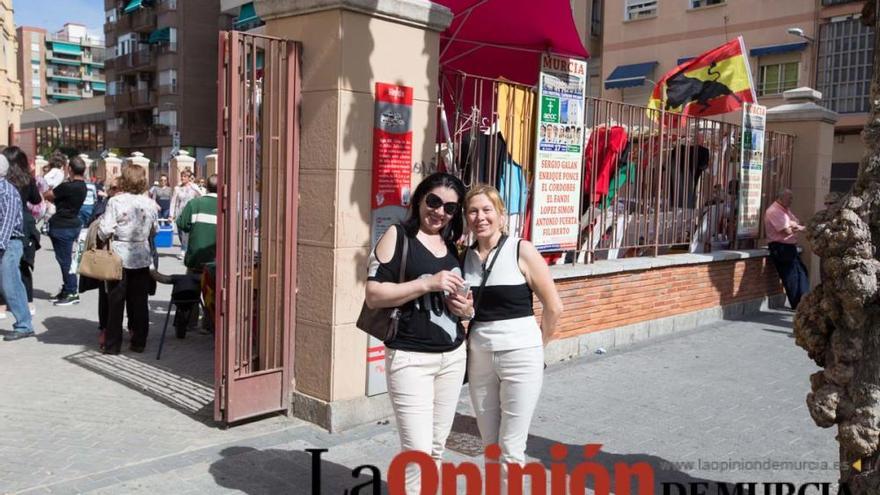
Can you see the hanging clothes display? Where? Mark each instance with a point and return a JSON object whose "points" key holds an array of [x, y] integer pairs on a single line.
{"points": [[602, 154], [689, 163]]}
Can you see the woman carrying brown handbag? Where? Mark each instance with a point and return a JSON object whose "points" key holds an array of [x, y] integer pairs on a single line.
{"points": [[130, 217], [425, 361]]}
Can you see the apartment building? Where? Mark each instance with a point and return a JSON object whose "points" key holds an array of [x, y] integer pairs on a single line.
{"points": [[791, 43], [10, 94], [162, 89], [67, 65]]}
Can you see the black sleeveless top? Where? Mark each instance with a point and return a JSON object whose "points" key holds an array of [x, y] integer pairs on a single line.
{"points": [[426, 325]]}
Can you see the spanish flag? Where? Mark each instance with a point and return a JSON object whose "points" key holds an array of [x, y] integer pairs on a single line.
{"points": [[716, 82]]}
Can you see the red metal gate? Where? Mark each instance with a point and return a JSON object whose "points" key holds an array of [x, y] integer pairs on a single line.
{"points": [[258, 169]]}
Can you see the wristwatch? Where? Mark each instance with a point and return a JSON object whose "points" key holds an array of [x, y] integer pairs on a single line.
{"points": [[471, 316]]}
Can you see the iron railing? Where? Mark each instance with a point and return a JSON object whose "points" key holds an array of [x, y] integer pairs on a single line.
{"points": [[647, 189]]}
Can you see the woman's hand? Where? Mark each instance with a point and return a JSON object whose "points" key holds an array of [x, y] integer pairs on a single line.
{"points": [[459, 305], [446, 281]]}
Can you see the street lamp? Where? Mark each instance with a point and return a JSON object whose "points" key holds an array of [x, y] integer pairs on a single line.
{"points": [[796, 31], [60, 125]]}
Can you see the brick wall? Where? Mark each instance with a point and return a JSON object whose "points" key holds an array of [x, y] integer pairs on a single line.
{"points": [[608, 301]]}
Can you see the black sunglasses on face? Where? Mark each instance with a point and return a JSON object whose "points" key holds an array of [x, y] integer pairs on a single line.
{"points": [[433, 201]]}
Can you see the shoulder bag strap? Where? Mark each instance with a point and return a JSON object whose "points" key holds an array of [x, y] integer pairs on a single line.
{"points": [[486, 273], [402, 276]]}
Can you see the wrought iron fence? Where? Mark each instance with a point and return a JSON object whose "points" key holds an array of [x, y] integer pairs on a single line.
{"points": [[647, 189]]}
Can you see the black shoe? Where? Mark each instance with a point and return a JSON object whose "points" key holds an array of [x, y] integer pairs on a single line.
{"points": [[18, 336], [112, 352], [136, 348], [57, 296], [67, 300]]}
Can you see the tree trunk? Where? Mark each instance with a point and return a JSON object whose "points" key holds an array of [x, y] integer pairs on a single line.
{"points": [[838, 323]]}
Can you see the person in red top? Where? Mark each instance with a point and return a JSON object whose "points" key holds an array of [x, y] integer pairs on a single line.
{"points": [[782, 228]]}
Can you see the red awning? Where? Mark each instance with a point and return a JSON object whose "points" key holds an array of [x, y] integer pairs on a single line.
{"points": [[505, 38]]}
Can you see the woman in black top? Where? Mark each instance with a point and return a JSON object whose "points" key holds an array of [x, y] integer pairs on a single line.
{"points": [[19, 175], [425, 362]]}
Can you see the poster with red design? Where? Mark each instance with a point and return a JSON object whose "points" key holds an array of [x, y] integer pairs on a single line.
{"points": [[390, 192]]}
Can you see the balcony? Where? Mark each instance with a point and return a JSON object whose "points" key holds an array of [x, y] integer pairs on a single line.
{"points": [[63, 74], [143, 98], [143, 20], [91, 77], [139, 60], [55, 58], [63, 94], [167, 89]]}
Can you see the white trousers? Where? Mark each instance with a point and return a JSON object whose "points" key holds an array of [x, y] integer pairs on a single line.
{"points": [[504, 388], [424, 389]]}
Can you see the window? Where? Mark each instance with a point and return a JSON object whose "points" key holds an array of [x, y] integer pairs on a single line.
{"points": [[844, 65], [36, 100], [773, 79], [113, 125], [168, 117], [110, 16], [168, 77], [695, 4], [596, 19], [639, 9], [843, 176]]}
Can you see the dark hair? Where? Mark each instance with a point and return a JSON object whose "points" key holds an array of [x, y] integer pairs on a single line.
{"points": [[453, 230], [77, 165], [211, 184], [19, 174]]}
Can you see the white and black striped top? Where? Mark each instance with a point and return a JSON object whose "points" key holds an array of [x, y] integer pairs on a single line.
{"points": [[505, 318]]}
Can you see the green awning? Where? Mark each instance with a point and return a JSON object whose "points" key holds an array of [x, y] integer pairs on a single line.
{"points": [[246, 15], [66, 48], [132, 6], [99, 86], [160, 35]]}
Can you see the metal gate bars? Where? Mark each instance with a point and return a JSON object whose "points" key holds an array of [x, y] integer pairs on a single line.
{"points": [[258, 133]]}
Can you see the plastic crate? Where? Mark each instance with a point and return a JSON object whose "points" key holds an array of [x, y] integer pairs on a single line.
{"points": [[165, 235]]}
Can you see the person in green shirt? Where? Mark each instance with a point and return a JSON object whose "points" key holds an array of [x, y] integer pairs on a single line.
{"points": [[199, 220]]}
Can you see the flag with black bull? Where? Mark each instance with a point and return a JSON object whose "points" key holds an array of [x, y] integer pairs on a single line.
{"points": [[715, 82]]}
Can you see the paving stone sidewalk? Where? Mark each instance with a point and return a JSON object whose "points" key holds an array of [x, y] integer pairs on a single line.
{"points": [[692, 405]]}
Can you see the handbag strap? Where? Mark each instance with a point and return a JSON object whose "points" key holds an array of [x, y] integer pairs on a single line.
{"points": [[486, 272], [401, 277]]}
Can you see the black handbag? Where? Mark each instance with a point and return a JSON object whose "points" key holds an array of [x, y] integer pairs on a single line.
{"points": [[382, 322]]}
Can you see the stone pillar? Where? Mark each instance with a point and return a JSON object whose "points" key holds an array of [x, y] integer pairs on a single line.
{"points": [[348, 46], [138, 158], [211, 163], [90, 174], [110, 168], [180, 163], [813, 125], [39, 163]]}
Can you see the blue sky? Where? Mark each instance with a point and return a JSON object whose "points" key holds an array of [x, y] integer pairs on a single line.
{"points": [[52, 14]]}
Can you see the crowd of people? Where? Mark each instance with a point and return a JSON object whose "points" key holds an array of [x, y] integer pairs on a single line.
{"points": [[74, 210]]}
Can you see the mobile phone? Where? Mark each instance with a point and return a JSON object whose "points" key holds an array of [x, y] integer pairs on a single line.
{"points": [[465, 288]]}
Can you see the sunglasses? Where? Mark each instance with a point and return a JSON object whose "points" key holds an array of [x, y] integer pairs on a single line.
{"points": [[433, 201]]}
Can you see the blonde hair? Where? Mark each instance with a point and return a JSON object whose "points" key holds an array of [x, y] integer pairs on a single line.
{"points": [[494, 197], [133, 180]]}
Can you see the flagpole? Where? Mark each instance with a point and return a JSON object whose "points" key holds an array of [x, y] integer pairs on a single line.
{"points": [[659, 171]]}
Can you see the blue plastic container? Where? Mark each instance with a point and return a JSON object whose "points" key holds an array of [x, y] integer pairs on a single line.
{"points": [[165, 236]]}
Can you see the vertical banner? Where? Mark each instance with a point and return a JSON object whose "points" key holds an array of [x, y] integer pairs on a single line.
{"points": [[560, 153], [751, 173], [390, 192]]}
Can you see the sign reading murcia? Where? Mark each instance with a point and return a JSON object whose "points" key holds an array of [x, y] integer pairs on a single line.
{"points": [[751, 171], [560, 153]]}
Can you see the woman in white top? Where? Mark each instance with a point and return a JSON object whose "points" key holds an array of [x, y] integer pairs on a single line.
{"points": [[130, 218], [505, 341]]}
